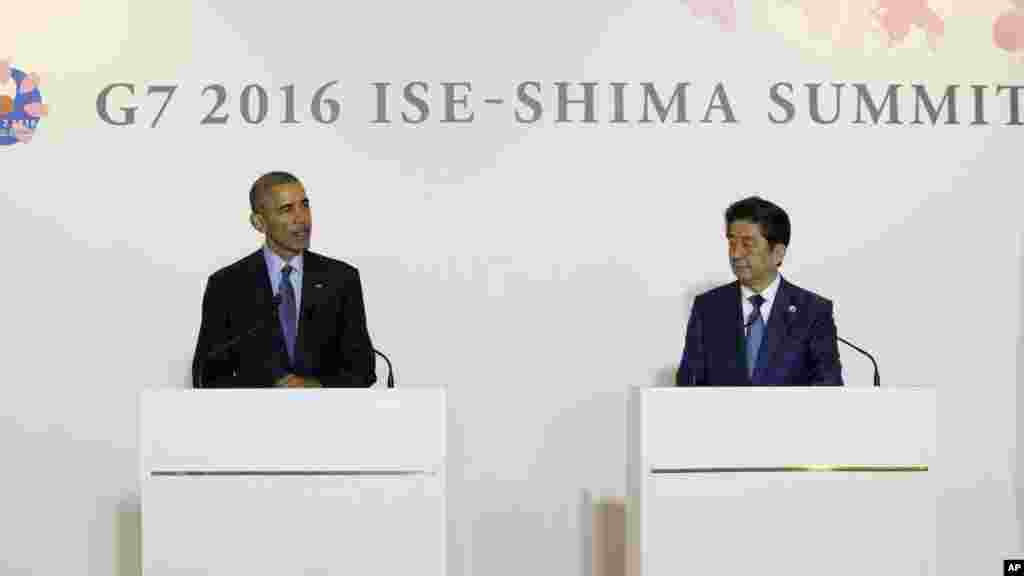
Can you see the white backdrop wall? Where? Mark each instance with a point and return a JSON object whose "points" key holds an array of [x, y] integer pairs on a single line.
{"points": [[538, 271]]}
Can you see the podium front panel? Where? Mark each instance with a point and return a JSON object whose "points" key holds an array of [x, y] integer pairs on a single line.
{"points": [[293, 482], [782, 481]]}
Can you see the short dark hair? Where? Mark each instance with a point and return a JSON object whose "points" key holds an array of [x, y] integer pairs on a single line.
{"points": [[773, 220], [262, 186]]}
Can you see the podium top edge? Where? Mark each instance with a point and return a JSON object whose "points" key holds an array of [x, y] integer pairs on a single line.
{"points": [[300, 391], [784, 389]]}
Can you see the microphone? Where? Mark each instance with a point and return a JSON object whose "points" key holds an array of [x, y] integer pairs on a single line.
{"points": [[391, 373], [224, 347], [878, 382]]}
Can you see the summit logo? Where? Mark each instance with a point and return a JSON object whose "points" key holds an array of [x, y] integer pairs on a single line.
{"points": [[21, 105]]}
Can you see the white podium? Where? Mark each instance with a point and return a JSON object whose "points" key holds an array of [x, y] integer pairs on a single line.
{"points": [[304, 482], [794, 481]]}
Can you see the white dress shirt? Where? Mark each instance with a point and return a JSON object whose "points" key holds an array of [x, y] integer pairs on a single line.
{"points": [[766, 307]]}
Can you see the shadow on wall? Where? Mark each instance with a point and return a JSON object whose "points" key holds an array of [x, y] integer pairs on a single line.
{"points": [[603, 528], [128, 538], [666, 376]]}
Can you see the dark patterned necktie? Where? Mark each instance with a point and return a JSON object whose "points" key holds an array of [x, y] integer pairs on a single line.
{"points": [[286, 311], [755, 333]]}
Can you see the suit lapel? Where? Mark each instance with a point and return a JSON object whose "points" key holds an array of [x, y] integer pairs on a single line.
{"points": [[257, 267], [778, 327], [731, 337], [313, 285], [739, 335], [264, 306], [260, 312]]}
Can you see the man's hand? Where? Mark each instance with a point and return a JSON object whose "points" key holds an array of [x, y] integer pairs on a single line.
{"points": [[293, 381]]}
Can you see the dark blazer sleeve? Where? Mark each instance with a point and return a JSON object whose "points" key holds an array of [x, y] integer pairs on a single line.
{"points": [[692, 367], [823, 366], [214, 331], [355, 368]]}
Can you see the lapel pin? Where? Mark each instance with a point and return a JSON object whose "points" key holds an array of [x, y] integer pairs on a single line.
{"points": [[318, 285], [792, 309]]}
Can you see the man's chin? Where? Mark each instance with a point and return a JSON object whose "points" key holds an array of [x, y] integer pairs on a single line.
{"points": [[295, 248]]}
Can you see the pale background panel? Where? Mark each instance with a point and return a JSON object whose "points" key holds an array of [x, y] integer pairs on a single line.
{"points": [[538, 271]]}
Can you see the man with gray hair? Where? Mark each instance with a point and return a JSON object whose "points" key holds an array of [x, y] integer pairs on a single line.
{"points": [[283, 316]]}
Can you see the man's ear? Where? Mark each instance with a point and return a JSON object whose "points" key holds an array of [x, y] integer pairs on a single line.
{"points": [[258, 223], [779, 251]]}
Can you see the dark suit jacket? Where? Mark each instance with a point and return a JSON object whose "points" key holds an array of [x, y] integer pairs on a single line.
{"points": [[332, 343], [799, 346]]}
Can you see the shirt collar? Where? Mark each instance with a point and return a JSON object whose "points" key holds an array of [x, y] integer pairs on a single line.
{"points": [[275, 263]]}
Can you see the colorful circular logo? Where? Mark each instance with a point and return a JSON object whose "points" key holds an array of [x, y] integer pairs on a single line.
{"points": [[21, 105], [850, 20], [1008, 30]]}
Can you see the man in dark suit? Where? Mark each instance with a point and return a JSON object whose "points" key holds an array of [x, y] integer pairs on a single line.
{"points": [[760, 330], [283, 316]]}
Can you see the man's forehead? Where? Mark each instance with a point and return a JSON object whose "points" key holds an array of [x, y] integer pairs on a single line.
{"points": [[287, 193], [743, 228]]}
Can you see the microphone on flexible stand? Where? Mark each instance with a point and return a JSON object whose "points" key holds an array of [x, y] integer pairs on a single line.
{"points": [[391, 373], [878, 382]]}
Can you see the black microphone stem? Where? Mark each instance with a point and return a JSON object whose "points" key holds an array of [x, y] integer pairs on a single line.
{"points": [[878, 382], [391, 373]]}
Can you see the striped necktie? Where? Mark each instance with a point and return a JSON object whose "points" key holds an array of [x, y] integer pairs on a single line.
{"points": [[286, 311], [755, 333]]}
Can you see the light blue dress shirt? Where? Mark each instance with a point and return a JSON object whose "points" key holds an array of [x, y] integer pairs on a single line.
{"points": [[274, 265]]}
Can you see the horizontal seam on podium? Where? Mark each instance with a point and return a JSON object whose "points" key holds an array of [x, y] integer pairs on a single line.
{"points": [[812, 468], [156, 473]]}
